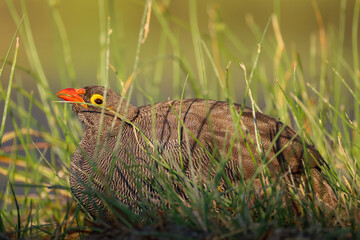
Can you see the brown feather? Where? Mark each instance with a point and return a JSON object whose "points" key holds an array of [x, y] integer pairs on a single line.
{"points": [[210, 122]]}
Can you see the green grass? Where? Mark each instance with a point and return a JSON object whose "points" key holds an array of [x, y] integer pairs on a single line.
{"points": [[323, 109]]}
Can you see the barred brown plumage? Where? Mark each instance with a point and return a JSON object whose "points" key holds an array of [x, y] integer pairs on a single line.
{"points": [[117, 143]]}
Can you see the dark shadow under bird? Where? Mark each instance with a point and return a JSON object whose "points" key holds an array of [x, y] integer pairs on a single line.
{"points": [[188, 135]]}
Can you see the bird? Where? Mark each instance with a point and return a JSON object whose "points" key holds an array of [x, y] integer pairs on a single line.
{"points": [[120, 139]]}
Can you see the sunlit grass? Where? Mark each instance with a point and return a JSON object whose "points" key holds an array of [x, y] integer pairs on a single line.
{"points": [[324, 110]]}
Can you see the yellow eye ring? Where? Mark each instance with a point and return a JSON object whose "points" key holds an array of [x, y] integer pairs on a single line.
{"points": [[97, 99]]}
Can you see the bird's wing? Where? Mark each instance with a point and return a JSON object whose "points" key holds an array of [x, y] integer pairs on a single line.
{"points": [[206, 127]]}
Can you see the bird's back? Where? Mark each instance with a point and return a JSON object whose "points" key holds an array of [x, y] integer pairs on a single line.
{"points": [[216, 127]]}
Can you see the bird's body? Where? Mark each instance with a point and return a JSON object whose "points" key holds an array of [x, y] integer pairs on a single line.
{"points": [[188, 135]]}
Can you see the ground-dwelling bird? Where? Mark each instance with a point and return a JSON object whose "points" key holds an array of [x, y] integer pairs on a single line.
{"points": [[191, 134]]}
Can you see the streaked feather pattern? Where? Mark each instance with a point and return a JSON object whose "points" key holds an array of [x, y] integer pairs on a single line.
{"points": [[207, 129]]}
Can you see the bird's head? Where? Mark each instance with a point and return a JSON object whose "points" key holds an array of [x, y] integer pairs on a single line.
{"points": [[89, 102]]}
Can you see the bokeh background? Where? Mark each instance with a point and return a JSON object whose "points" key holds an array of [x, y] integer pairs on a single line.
{"points": [[238, 25], [81, 22]]}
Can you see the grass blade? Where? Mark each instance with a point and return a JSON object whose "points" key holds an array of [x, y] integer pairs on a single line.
{"points": [[8, 93]]}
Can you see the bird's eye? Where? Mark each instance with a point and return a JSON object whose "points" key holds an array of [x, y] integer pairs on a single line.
{"points": [[97, 99]]}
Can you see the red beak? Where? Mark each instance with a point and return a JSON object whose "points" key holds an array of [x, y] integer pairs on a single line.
{"points": [[72, 95]]}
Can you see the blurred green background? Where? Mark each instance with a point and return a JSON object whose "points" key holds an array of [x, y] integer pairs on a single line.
{"points": [[297, 19], [233, 28]]}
